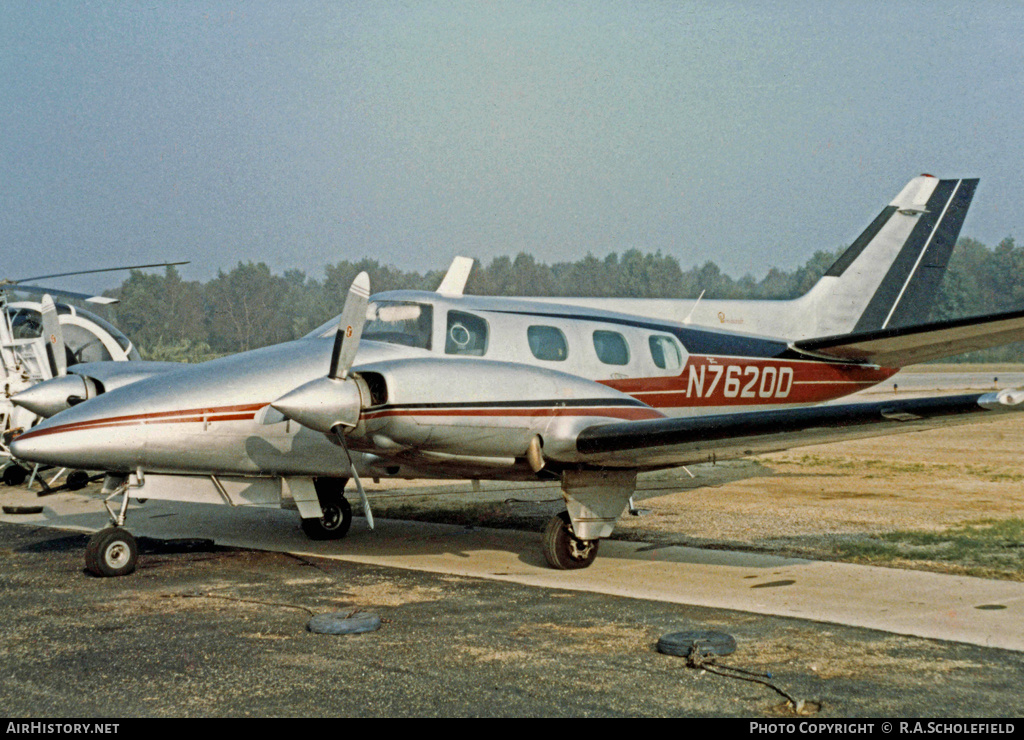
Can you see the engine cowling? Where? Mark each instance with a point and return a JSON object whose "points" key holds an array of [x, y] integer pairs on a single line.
{"points": [[479, 407], [53, 396]]}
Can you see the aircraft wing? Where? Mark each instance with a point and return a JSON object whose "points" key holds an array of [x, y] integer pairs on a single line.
{"points": [[693, 440], [906, 346]]}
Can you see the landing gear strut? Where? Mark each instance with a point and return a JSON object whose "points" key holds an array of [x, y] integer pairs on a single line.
{"points": [[113, 552], [562, 549], [337, 513]]}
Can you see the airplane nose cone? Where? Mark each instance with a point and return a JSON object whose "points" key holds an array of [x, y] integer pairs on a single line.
{"points": [[52, 396], [36, 449], [75, 438]]}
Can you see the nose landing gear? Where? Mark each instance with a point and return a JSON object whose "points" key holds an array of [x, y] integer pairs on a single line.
{"points": [[112, 551]]}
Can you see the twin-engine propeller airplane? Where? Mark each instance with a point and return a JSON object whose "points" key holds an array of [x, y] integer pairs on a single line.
{"points": [[416, 384]]}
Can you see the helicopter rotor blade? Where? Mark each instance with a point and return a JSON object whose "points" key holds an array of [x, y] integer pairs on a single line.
{"points": [[89, 272], [88, 297]]}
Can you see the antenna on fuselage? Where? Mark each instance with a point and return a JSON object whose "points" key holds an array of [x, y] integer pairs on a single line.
{"points": [[455, 279], [690, 315]]}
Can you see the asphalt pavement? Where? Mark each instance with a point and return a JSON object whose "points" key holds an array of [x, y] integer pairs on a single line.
{"points": [[203, 630]]}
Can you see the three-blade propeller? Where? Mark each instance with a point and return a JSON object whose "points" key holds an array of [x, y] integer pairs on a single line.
{"points": [[332, 404]]}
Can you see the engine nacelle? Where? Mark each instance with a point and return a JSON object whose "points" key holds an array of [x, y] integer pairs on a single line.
{"points": [[503, 406], [53, 396]]}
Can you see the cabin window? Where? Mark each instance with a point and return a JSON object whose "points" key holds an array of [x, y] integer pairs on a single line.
{"points": [[547, 343], [466, 334], [398, 322], [611, 348], [665, 352]]}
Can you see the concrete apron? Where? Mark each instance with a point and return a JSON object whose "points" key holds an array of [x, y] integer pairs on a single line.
{"points": [[955, 608]]}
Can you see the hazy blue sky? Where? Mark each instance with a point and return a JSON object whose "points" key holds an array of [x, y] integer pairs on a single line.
{"points": [[303, 133]]}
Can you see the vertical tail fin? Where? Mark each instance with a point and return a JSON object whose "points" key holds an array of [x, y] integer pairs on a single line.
{"points": [[889, 277]]}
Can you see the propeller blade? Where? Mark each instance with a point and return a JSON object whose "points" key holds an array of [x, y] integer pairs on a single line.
{"points": [[54, 337], [350, 327], [340, 436]]}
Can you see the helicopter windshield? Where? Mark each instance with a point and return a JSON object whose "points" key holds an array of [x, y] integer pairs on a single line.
{"points": [[82, 337], [26, 323]]}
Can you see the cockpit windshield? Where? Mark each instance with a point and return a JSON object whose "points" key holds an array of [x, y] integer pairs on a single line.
{"points": [[399, 322], [395, 322]]}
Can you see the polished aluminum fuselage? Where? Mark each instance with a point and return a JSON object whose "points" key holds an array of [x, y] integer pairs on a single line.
{"points": [[445, 414]]}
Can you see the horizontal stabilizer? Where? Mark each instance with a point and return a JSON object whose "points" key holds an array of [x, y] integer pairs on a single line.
{"points": [[693, 440], [906, 346]]}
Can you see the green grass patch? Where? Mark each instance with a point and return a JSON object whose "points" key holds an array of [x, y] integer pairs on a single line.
{"points": [[874, 468], [990, 548]]}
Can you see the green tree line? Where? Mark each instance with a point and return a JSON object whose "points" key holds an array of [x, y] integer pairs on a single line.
{"points": [[249, 306]]}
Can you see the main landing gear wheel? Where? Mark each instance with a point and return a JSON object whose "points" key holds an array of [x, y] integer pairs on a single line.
{"points": [[335, 522], [111, 552], [562, 549], [77, 480]]}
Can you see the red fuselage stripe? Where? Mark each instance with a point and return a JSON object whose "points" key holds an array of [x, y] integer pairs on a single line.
{"points": [[227, 413], [703, 382], [616, 412]]}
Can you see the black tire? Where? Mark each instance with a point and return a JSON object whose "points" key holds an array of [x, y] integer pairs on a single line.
{"points": [[335, 522], [15, 475], [704, 642], [23, 509], [111, 552], [562, 549], [77, 480]]}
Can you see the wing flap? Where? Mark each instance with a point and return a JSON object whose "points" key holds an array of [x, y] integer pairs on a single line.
{"points": [[692, 440], [906, 346]]}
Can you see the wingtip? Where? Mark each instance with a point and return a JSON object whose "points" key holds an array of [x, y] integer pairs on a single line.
{"points": [[1005, 399]]}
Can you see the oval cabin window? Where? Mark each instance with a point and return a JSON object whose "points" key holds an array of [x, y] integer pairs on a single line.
{"points": [[665, 352], [611, 348], [547, 343]]}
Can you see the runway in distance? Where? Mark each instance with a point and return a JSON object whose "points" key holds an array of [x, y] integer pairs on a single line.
{"points": [[415, 384]]}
